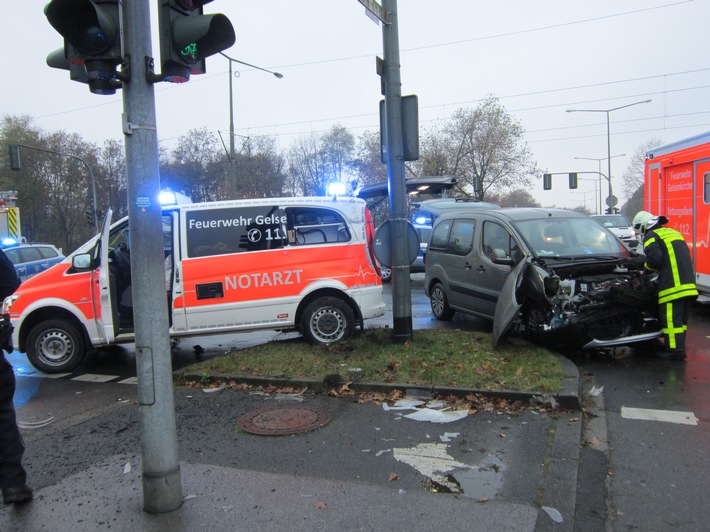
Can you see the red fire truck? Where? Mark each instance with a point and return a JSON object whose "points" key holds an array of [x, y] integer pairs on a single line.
{"points": [[677, 185]]}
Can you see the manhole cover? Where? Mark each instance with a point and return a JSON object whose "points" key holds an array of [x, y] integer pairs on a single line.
{"points": [[279, 421]]}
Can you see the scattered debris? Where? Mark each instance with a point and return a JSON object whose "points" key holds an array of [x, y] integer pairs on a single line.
{"points": [[433, 461], [448, 436], [320, 505], [213, 390], [554, 514], [35, 424], [437, 416], [295, 396], [127, 468], [393, 476], [596, 392]]}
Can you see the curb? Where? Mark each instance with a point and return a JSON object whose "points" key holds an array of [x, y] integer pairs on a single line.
{"points": [[569, 398]]}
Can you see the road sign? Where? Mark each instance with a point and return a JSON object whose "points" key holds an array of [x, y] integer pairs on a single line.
{"points": [[376, 9], [612, 201]]}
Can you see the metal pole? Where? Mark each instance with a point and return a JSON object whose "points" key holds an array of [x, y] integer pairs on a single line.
{"points": [[608, 154], [232, 185], [162, 488], [91, 175], [232, 188], [401, 283]]}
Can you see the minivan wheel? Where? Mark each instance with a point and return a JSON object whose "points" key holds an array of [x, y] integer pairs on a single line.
{"points": [[55, 346], [385, 274], [326, 320], [440, 303]]}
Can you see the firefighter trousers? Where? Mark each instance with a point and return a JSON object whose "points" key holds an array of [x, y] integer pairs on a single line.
{"points": [[674, 320], [12, 474]]}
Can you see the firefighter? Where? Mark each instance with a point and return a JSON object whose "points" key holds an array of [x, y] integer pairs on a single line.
{"points": [[667, 252]]}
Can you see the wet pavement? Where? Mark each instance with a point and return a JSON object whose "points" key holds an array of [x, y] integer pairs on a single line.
{"points": [[366, 468], [357, 466]]}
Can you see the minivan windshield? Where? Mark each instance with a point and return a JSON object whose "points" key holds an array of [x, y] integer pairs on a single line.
{"points": [[555, 237]]}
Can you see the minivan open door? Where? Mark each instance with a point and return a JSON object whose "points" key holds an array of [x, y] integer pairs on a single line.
{"points": [[106, 323], [507, 307]]}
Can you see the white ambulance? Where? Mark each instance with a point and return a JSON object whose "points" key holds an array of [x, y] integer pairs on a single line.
{"points": [[303, 264]]}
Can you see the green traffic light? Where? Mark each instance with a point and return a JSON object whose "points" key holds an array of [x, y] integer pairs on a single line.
{"points": [[189, 53]]}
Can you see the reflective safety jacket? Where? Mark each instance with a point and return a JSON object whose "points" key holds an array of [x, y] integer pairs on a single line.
{"points": [[667, 252]]}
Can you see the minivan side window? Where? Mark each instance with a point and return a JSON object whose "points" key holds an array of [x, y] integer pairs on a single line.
{"points": [[440, 236], [461, 238], [497, 241]]}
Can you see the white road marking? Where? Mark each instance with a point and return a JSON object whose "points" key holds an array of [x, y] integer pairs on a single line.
{"points": [[129, 380], [92, 377], [669, 416]]}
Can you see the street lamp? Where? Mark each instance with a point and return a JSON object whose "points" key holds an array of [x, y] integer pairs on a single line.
{"points": [[232, 157], [610, 200], [584, 196], [599, 164]]}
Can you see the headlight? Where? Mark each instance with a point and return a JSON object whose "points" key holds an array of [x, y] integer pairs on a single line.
{"points": [[7, 304]]}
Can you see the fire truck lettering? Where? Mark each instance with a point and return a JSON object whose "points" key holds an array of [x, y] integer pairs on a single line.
{"points": [[212, 224]]}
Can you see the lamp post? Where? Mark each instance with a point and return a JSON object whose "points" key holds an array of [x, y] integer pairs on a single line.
{"points": [[232, 188], [584, 196], [599, 164], [610, 200]]}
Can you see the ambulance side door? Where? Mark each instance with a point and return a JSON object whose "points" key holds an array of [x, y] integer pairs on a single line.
{"points": [[106, 323]]}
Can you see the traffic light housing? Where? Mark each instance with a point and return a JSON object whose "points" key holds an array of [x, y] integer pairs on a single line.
{"points": [[547, 181], [92, 39], [573, 180], [187, 37]]}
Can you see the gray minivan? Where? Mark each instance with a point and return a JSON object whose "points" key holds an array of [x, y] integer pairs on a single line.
{"points": [[550, 274]]}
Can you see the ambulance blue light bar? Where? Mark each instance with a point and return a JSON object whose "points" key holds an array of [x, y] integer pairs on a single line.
{"points": [[168, 197]]}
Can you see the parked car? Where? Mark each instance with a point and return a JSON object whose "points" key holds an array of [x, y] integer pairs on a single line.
{"points": [[620, 226], [31, 259], [424, 232], [553, 275]]}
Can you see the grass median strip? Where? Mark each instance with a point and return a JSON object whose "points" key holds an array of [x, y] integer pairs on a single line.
{"points": [[434, 358]]}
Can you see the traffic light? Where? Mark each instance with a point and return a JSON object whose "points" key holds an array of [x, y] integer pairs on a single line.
{"points": [[92, 39], [547, 181], [187, 37], [573, 180], [14, 150]]}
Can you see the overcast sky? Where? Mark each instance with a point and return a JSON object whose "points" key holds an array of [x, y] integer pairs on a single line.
{"points": [[539, 58]]}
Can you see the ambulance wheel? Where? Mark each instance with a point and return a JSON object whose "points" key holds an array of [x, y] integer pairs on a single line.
{"points": [[55, 346], [326, 320]]}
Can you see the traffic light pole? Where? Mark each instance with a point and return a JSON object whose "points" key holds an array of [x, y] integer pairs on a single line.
{"points": [[91, 175], [401, 283], [162, 489]]}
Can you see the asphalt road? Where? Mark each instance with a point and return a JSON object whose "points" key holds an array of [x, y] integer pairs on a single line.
{"points": [[644, 456]]}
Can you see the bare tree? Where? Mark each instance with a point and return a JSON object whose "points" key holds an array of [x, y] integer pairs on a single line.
{"points": [[484, 146], [633, 177], [317, 160], [197, 167], [112, 186], [261, 169]]}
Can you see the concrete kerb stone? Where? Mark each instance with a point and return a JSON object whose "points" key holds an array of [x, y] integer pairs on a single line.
{"points": [[569, 397]]}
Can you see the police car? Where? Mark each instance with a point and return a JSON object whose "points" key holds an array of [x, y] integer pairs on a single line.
{"points": [[31, 259]]}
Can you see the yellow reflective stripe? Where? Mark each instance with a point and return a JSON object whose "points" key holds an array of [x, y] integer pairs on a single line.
{"points": [[648, 242], [673, 297], [671, 331], [689, 287], [673, 261]]}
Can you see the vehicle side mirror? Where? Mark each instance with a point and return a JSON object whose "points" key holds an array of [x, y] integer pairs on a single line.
{"points": [[82, 261]]}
